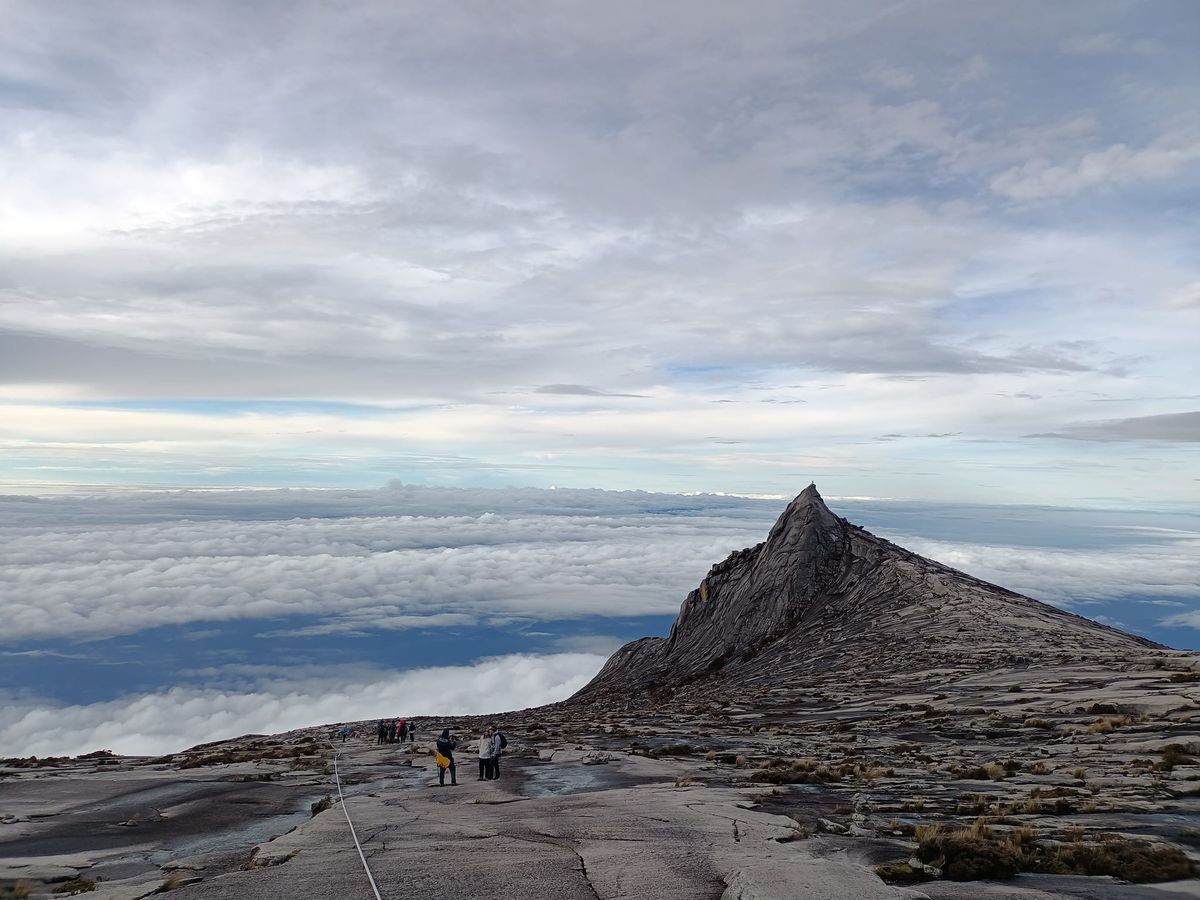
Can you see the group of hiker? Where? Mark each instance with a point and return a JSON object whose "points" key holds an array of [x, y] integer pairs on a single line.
{"points": [[490, 748], [395, 731]]}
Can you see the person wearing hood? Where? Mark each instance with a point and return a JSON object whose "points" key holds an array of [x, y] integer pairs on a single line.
{"points": [[445, 750]]}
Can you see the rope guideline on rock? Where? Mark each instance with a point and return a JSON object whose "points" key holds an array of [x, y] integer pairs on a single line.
{"points": [[342, 800]]}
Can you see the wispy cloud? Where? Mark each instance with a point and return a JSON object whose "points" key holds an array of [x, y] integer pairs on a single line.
{"points": [[1172, 428]]}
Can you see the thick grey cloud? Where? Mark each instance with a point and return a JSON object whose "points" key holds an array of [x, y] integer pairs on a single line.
{"points": [[408, 186], [1170, 427]]}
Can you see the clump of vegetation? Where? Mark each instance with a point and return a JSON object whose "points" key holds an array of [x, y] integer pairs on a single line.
{"points": [[258, 751], [1135, 861], [321, 805], [979, 852], [1172, 755], [796, 771], [1184, 677], [33, 762], [963, 856], [1039, 723], [17, 890], [665, 750], [901, 872], [77, 885]]}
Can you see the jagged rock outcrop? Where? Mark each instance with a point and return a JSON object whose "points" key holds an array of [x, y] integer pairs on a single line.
{"points": [[821, 595]]}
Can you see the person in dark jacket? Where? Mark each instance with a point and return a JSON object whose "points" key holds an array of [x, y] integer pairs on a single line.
{"points": [[380, 731], [445, 746]]}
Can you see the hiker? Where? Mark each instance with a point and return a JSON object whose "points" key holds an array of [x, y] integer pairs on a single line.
{"points": [[380, 731], [392, 730], [499, 742], [487, 750], [344, 731], [412, 732], [445, 753]]}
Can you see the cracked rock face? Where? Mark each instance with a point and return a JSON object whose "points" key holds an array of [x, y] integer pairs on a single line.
{"points": [[820, 590]]}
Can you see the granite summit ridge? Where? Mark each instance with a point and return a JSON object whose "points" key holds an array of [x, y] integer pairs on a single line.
{"points": [[820, 592]]}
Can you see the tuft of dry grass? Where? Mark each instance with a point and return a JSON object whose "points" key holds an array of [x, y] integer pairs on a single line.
{"points": [[77, 885]]}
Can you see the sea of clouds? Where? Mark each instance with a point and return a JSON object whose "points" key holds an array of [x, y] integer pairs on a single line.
{"points": [[81, 573]]}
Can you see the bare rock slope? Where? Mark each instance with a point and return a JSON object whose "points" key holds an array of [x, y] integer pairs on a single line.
{"points": [[821, 593]]}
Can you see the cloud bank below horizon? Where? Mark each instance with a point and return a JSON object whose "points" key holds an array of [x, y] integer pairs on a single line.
{"points": [[169, 721]]}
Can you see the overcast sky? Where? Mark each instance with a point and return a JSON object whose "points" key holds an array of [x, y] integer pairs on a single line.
{"points": [[912, 249]]}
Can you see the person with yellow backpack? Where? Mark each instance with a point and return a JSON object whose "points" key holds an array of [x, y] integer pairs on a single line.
{"points": [[444, 757]]}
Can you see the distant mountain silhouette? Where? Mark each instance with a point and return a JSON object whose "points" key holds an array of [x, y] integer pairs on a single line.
{"points": [[824, 597]]}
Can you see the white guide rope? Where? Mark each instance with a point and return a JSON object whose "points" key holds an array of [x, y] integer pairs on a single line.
{"points": [[337, 778]]}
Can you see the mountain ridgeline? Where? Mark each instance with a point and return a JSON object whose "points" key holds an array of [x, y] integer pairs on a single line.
{"points": [[823, 597]]}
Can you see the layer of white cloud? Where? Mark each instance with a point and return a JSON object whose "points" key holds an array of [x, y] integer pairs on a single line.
{"points": [[172, 720], [1076, 577], [351, 562], [357, 573]]}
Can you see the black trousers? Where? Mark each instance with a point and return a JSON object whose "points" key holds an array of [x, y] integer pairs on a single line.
{"points": [[453, 773], [495, 761]]}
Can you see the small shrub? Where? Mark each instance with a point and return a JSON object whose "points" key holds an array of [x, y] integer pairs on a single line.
{"points": [[321, 805], [900, 872], [1023, 837], [1135, 861], [1172, 755], [77, 885], [962, 857]]}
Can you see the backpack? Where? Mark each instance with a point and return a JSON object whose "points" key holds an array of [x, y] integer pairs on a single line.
{"points": [[503, 739]]}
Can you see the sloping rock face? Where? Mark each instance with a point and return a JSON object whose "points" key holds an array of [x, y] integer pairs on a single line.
{"points": [[820, 594]]}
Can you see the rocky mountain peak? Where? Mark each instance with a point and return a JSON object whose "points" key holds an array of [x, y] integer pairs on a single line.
{"points": [[821, 595]]}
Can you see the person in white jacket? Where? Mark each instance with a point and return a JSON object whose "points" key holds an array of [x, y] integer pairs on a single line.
{"points": [[487, 752]]}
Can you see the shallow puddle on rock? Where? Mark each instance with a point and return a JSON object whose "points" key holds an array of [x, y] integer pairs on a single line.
{"points": [[246, 836], [556, 780]]}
